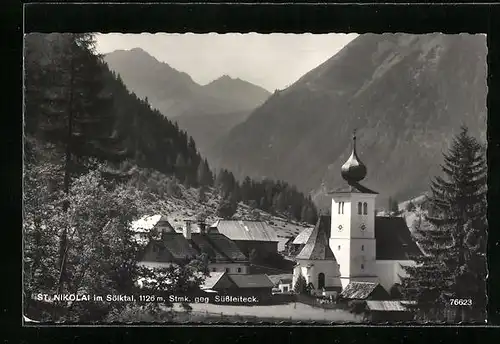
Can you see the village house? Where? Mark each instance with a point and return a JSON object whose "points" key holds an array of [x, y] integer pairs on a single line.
{"points": [[223, 283], [282, 283], [362, 247], [166, 246]]}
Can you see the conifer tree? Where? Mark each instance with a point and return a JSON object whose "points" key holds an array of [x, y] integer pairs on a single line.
{"points": [[455, 237]]}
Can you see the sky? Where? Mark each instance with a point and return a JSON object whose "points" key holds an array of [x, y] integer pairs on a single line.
{"points": [[273, 61]]}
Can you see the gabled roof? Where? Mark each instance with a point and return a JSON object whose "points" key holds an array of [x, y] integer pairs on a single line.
{"points": [[394, 239], [282, 243], [358, 290], [317, 246], [353, 188], [251, 281], [212, 279], [164, 225], [246, 230], [386, 306], [282, 278], [224, 248], [303, 236], [171, 247]]}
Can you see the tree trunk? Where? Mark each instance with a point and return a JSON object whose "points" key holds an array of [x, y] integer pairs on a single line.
{"points": [[67, 173]]}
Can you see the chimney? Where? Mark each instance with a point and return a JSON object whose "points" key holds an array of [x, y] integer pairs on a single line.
{"points": [[186, 231], [203, 227]]}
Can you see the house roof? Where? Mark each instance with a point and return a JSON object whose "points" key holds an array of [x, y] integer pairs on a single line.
{"points": [[303, 236], [386, 306], [394, 240], [358, 290], [282, 243], [246, 230], [281, 278], [353, 188], [171, 247], [212, 279], [164, 225], [317, 246], [174, 246], [251, 281], [218, 246]]}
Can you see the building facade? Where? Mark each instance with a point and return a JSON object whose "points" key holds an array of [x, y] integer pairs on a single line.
{"points": [[365, 247]]}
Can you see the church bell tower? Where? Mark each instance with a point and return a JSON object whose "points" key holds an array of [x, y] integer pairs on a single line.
{"points": [[352, 235]]}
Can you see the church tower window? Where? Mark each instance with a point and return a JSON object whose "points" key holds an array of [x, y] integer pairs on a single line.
{"points": [[362, 247], [321, 280], [338, 248], [359, 208], [339, 207], [342, 207], [365, 208], [362, 266]]}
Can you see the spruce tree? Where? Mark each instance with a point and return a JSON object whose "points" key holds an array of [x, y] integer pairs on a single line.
{"points": [[455, 237]]}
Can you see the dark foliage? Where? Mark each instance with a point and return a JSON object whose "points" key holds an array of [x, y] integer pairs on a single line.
{"points": [[454, 237]]}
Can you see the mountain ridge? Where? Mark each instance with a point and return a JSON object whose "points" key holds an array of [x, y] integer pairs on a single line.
{"points": [[406, 94]]}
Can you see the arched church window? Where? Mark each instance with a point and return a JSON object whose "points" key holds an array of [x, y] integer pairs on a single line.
{"points": [[338, 248], [365, 208], [359, 208], [339, 207], [342, 207], [321, 280]]}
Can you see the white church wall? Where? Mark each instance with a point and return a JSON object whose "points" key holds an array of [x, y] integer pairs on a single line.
{"points": [[310, 269]]}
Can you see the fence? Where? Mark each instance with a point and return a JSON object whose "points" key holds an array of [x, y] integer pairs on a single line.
{"points": [[211, 317]]}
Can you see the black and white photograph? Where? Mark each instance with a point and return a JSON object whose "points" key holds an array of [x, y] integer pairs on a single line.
{"points": [[246, 178]]}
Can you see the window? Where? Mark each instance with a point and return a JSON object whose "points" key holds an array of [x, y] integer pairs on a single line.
{"points": [[239, 269], [339, 248], [321, 280], [362, 266], [227, 269], [341, 207], [362, 247], [285, 288], [359, 208], [365, 208]]}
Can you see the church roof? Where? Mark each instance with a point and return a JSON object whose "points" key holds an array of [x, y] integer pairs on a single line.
{"points": [[394, 240], [317, 246], [246, 230], [353, 188]]}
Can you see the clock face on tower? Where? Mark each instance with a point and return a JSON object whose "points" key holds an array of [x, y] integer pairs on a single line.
{"points": [[340, 228], [363, 226]]}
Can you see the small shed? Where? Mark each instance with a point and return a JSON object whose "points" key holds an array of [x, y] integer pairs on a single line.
{"points": [[387, 311], [282, 282], [364, 291]]}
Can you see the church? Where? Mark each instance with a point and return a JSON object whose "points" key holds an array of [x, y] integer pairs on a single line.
{"points": [[352, 245]]}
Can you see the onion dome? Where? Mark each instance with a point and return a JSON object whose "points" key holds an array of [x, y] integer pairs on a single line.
{"points": [[353, 169]]}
